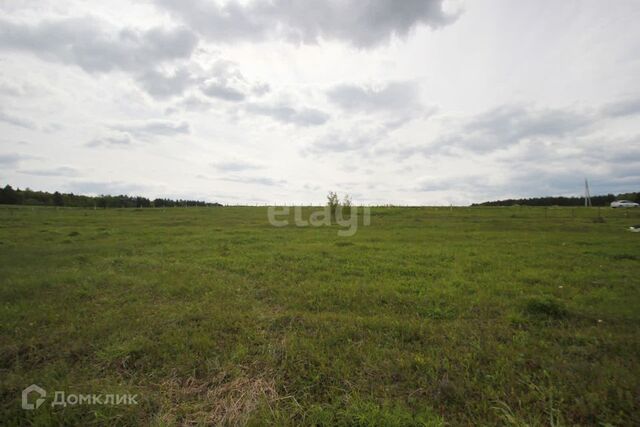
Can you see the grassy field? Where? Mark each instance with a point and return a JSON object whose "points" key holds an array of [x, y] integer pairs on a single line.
{"points": [[429, 316]]}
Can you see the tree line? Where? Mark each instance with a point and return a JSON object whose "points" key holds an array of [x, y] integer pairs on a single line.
{"points": [[11, 196], [603, 200]]}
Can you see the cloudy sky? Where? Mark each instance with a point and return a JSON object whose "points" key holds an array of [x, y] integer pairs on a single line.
{"points": [[406, 102]]}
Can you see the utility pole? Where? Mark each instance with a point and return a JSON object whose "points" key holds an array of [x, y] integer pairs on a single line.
{"points": [[587, 195]]}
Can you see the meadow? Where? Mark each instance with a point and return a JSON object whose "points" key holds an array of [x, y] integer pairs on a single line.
{"points": [[428, 316]]}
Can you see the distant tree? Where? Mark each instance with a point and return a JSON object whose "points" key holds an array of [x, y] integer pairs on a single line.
{"points": [[346, 204], [603, 200], [57, 199], [333, 203], [101, 201], [633, 197], [30, 197], [9, 196], [142, 202]]}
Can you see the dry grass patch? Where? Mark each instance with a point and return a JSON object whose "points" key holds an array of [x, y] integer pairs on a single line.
{"points": [[227, 400]]}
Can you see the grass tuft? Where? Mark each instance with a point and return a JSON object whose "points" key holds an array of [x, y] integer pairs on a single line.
{"points": [[547, 307]]}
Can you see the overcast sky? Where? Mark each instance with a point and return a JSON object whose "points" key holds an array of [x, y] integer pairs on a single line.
{"points": [[406, 102]]}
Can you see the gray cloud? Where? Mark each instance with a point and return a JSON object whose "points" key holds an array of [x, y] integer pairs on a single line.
{"points": [[568, 181], [285, 114], [59, 171], [506, 125], [529, 129], [163, 85], [360, 23], [364, 138], [260, 89], [222, 91], [393, 104], [225, 81], [393, 96], [11, 160], [533, 169], [190, 103], [626, 107], [518, 183], [226, 71], [96, 47], [235, 166], [11, 89], [116, 140], [460, 182], [154, 128], [517, 122], [52, 127], [341, 142], [254, 180], [19, 88], [595, 157], [93, 46], [526, 139], [17, 121], [619, 151]]}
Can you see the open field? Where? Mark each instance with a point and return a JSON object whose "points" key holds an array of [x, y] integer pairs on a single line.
{"points": [[464, 316]]}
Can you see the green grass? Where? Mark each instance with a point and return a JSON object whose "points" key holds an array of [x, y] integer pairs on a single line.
{"points": [[465, 316]]}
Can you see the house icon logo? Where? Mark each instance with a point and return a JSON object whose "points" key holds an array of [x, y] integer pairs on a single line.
{"points": [[39, 400]]}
